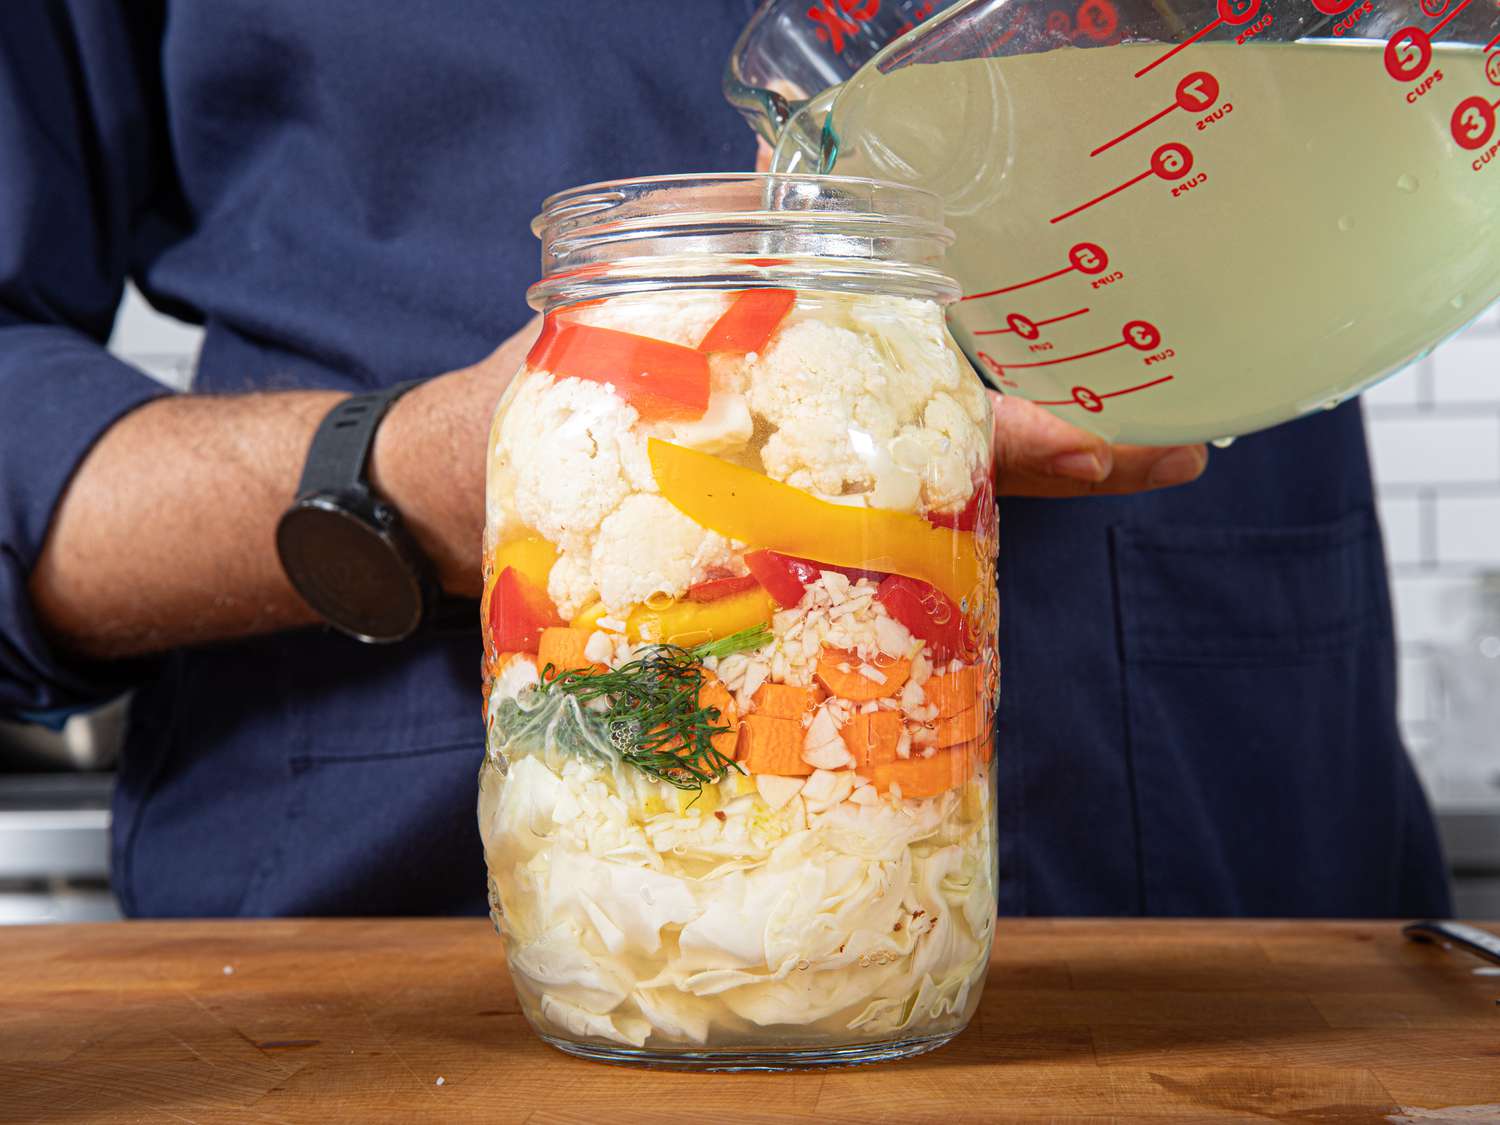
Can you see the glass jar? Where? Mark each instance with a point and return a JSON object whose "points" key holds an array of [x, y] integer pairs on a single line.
{"points": [[740, 616]]}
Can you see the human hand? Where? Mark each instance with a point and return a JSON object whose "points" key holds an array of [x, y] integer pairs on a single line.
{"points": [[1039, 454]]}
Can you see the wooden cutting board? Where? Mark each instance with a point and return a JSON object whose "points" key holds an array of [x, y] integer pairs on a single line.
{"points": [[356, 1021]]}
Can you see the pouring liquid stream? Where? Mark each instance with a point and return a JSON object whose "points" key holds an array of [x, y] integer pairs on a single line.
{"points": [[1182, 245]]}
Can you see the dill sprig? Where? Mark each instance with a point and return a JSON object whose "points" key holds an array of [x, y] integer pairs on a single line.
{"points": [[652, 714]]}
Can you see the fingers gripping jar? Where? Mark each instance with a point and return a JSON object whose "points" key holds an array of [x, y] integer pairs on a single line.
{"points": [[740, 613]]}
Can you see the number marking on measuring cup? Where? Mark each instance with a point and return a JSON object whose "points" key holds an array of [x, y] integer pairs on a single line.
{"points": [[1197, 91], [1171, 161], [1093, 401], [1085, 257], [1474, 122], [1027, 328], [1233, 12], [1492, 65]]}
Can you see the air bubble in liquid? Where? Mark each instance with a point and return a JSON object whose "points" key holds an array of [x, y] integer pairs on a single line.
{"points": [[1407, 183], [1222, 442], [1346, 223], [1459, 301]]}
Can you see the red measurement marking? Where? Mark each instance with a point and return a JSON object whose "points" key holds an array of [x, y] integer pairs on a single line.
{"points": [[1114, 191], [1149, 67], [1018, 285], [1492, 68], [1446, 20], [1495, 42], [1229, 12], [1195, 93], [1169, 162], [1092, 401], [1125, 136], [995, 369], [1033, 323], [1139, 334], [1085, 257]]}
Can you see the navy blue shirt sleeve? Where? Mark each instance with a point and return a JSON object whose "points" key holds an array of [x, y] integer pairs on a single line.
{"points": [[79, 155]]}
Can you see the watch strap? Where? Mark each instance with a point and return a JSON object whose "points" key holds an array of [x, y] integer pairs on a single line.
{"points": [[340, 449]]}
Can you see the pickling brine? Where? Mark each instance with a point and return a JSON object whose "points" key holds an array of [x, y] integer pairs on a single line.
{"points": [[740, 675]]}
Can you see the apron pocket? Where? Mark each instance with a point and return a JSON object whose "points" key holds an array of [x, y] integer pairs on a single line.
{"points": [[1259, 688]]}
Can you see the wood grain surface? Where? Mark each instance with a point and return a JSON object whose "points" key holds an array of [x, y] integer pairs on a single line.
{"points": [[355, 1021]]}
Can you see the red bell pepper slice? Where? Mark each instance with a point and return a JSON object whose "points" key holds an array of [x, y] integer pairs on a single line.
{"points": [[659, 379], [749, 322], [716, 588], [785, 577], [929, 614], [519, 611]]}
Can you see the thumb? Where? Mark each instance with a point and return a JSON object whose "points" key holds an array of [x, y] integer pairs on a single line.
{"points": [[1039, 454]]}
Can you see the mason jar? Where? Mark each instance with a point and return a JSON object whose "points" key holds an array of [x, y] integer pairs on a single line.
{"points": [[740, 617]]}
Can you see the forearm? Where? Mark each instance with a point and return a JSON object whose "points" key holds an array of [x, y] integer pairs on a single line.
{"points": [[166, 533]]}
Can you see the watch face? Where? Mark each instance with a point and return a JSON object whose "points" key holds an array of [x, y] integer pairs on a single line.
{"points": [[349, 571]]}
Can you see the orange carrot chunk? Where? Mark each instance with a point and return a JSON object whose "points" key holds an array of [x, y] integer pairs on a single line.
{"points": [[714, 694], [748, 323], [562, 647], [923, 777], [872, 738], [953, 692], [854, 684], [785, 701], [963, 727], [771, 745]]}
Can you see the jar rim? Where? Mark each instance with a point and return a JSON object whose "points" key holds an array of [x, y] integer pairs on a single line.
{"points": [[741, 230]]}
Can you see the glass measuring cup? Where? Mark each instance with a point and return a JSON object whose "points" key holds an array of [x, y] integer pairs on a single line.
{"points": [[1175, 221]]}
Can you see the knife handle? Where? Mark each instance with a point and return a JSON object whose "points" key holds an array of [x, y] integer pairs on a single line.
{"points": [[1480, 943]]}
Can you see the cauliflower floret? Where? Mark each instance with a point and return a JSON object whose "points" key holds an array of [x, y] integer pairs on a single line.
{"points": [[816, 453], [574, 458], [678, 318], [646, 546], [570, 584], [819, 368], [916, 338], [952, 450], [725, 425], [837, 397]]}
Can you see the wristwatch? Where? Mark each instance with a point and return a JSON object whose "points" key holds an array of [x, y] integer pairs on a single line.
{"points": [[344, 548]]}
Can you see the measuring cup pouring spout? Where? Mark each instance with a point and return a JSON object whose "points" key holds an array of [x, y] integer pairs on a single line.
{"points": [[1124, 176]]}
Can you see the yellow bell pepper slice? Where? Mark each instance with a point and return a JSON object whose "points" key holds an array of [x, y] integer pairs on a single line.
{"points": [[532, 557], [742, 504], [588, 617], [688, 623]]}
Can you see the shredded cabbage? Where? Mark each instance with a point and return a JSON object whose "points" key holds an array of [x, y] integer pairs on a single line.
{"points": [[632, 918]]}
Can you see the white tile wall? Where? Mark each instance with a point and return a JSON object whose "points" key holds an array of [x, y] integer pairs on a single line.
{"points": [[1435, 441], [1431, 449]]}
